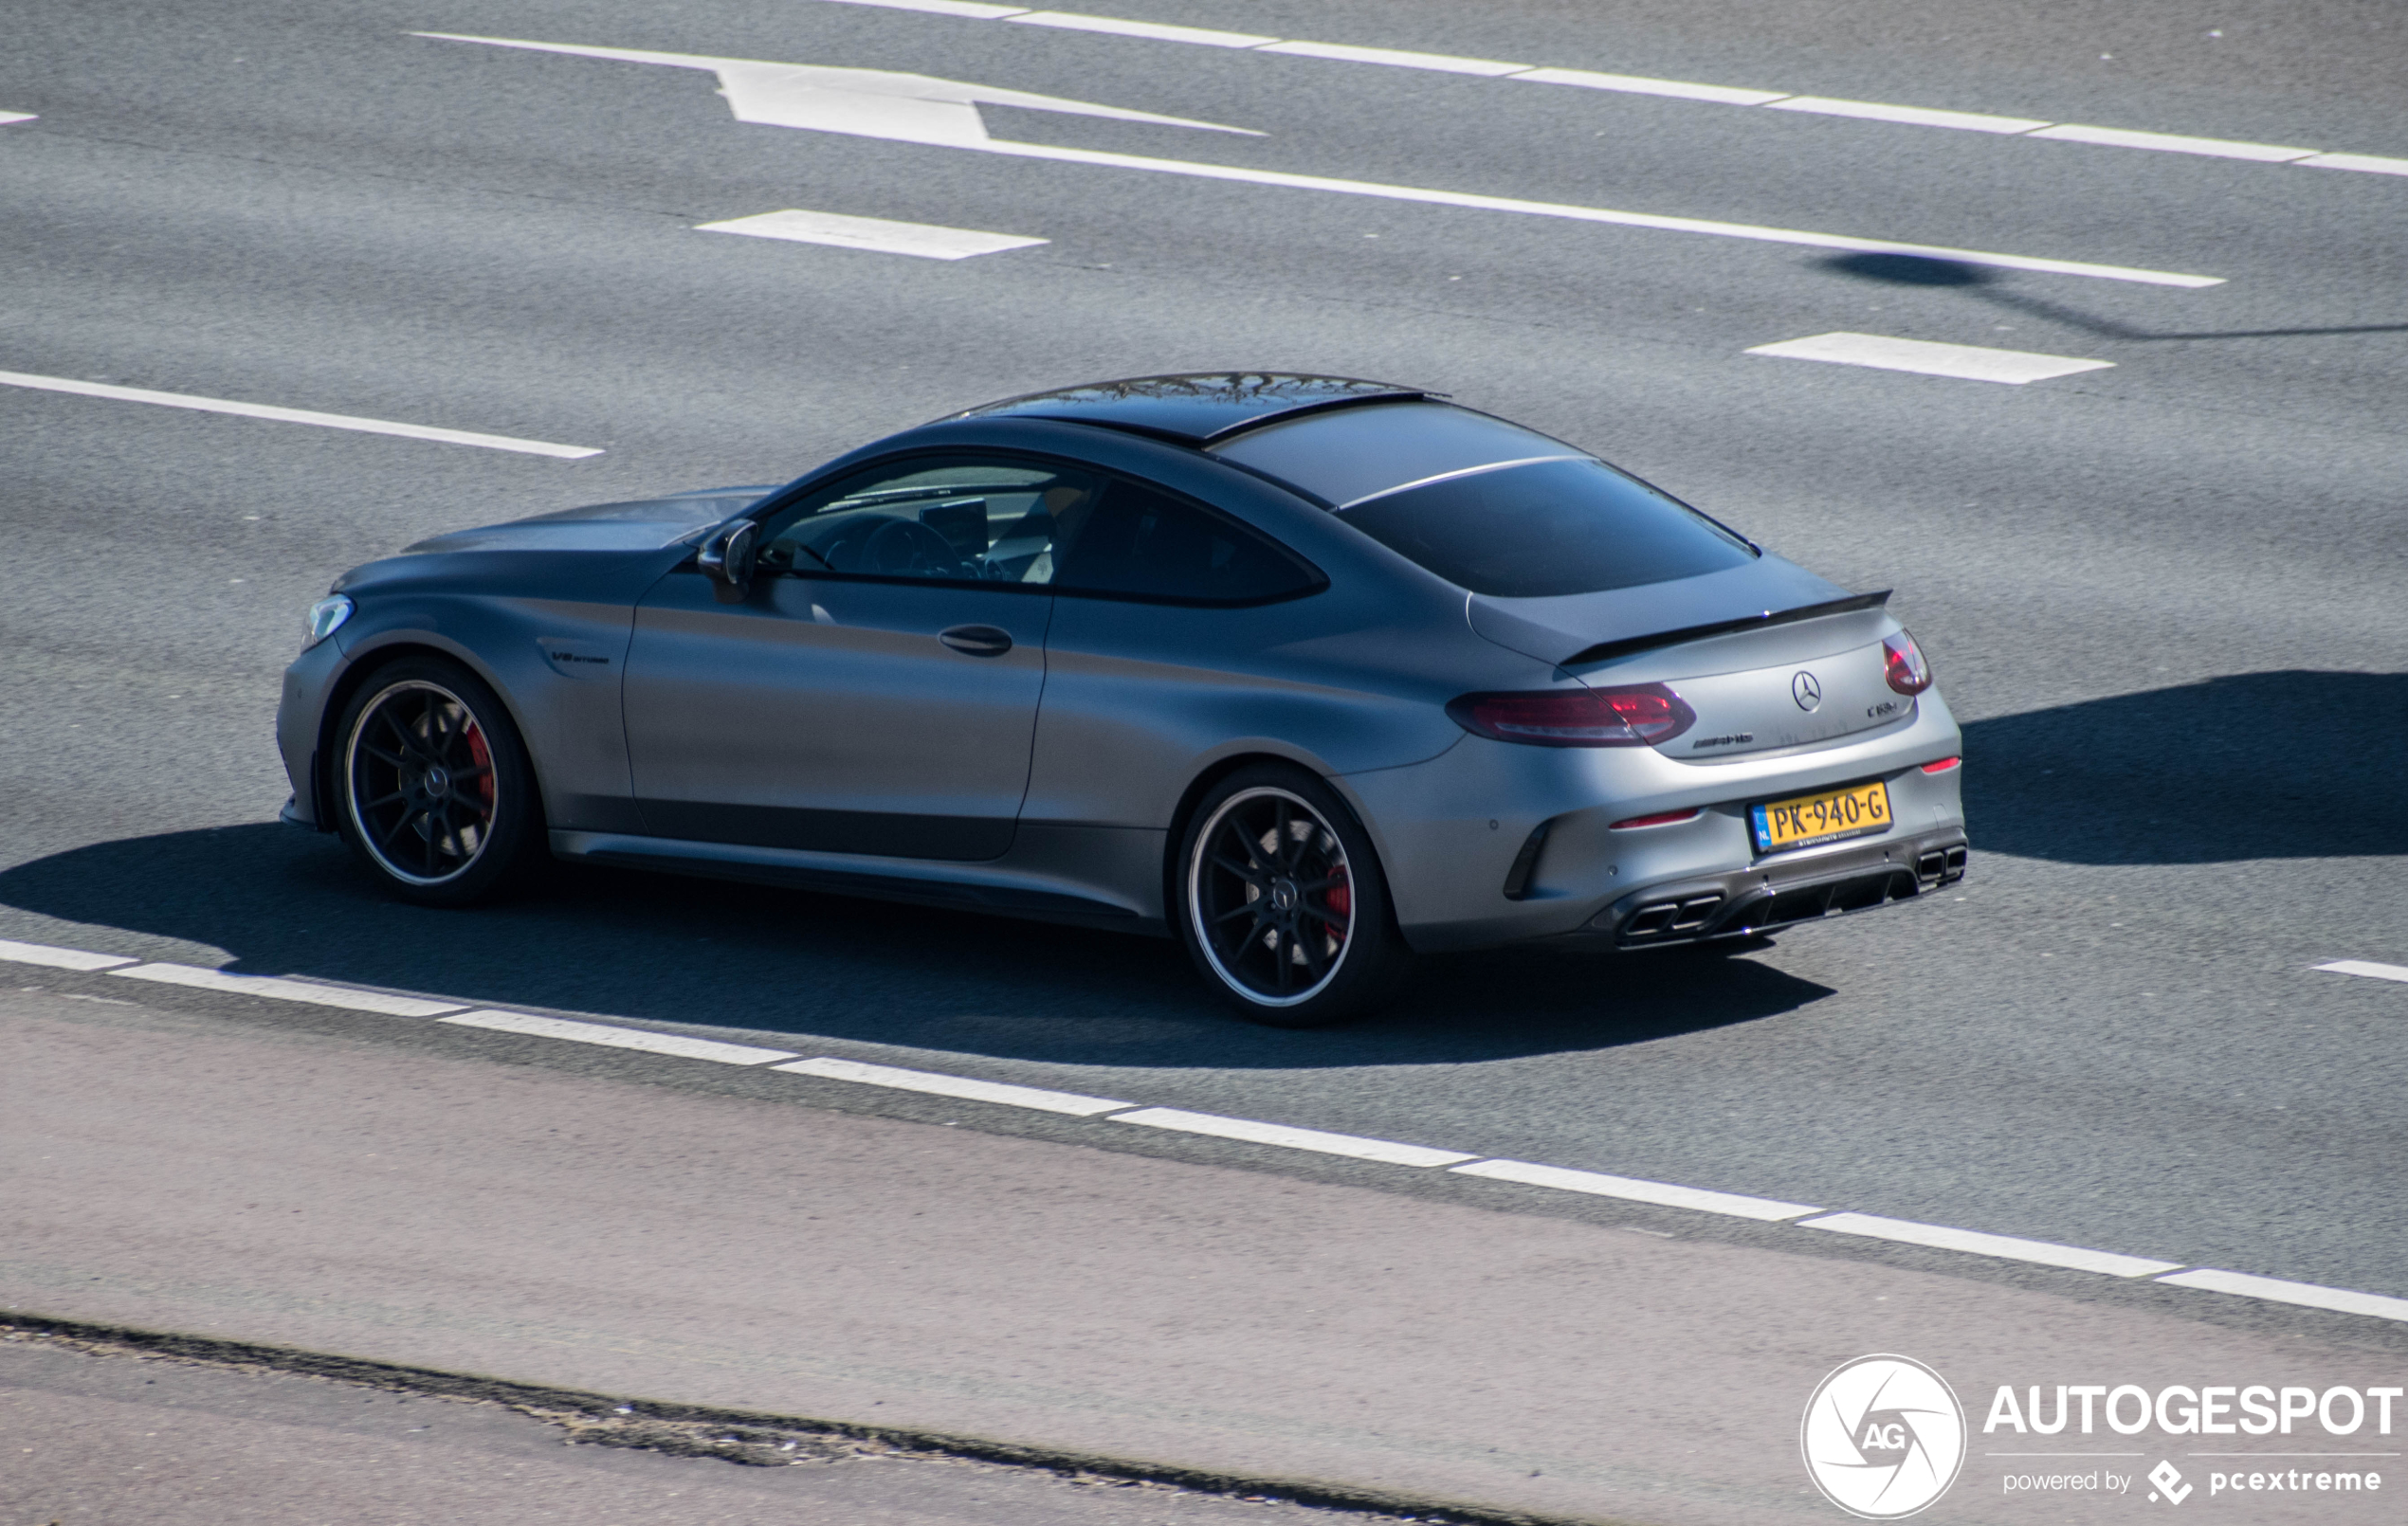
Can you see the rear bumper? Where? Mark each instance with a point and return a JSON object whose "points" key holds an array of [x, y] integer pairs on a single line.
{"points": [[1775, 895]]}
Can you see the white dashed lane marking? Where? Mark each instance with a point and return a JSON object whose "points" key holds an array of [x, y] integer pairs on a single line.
{"points": [[2367, 967], [618, 1038], [969, 1089], [908, 108], [1966, 362], [1973, 121], [284, 989], [1664, 1194], [1667, 1194], [42, 954], [2278, 1291], [1352, 1145], [925, 240], [8, 116], [294, 415], [2007, 1248]]}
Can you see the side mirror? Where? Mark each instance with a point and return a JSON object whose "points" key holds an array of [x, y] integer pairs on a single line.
{"points": [[726, 558]]}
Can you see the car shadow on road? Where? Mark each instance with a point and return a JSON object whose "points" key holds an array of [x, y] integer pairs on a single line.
{"points": [[695, 951], [2287, 765]]}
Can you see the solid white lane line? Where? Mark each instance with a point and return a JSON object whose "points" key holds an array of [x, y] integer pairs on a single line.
{"points": [[2367, 967], [936, 1085], [1396, 58], [285, 989], [292, 415], [8, 116], [912, 108], [925, 240], [1964, 361], [1072, 21], [1597, 214], [1637, 86], [43, 953], [1874, 111], [1975, 1243], [1598, 1183], [2305, 1293], [2371, 164], [968, 9], [618, 1038], [1247, 1129], [2215, 148]]}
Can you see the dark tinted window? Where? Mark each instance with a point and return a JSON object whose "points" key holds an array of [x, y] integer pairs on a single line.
{"points": [[957, 518], [1144, 544], [1545, 528], [1353, 453]]}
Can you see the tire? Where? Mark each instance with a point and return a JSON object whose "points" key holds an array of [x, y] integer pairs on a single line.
{"points": [[431, 786], [1278, 896]]}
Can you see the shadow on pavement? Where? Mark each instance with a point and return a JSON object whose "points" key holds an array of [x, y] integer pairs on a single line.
{"points": [[1984, 282], [2291, 765], [694, 951]]}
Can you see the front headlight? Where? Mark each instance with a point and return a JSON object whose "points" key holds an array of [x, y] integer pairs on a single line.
{"points": [[326, 617]]}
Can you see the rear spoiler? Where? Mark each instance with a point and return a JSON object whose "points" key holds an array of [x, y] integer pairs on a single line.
{"points": [[1606, 649]]}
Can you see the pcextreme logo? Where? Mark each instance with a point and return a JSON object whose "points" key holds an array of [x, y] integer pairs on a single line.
{"points": [[1883, 1437]]}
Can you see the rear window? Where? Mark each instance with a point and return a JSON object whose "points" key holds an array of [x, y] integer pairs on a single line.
{"points": [[1355, 452], [1543, 528]]}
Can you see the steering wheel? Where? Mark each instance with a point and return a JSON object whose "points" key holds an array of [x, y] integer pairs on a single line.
{"points": [[906, 547]]}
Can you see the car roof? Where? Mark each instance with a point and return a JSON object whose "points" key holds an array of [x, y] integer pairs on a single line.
{"points": [[1199, 408]]}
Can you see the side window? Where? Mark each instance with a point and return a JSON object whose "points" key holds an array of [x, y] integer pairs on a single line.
{"points": [[952, 518], [1139, 543]]}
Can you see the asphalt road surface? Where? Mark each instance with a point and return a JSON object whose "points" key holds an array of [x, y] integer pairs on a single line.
{"points": [[2164, 597]]}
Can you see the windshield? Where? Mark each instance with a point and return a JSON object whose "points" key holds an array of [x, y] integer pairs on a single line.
{"points": [[1537, 529]]}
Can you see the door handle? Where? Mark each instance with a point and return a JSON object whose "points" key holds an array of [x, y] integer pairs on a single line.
{"points": [[976, 641]]}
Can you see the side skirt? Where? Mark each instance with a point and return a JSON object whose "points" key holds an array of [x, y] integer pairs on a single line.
{"points": [[993, 888]]}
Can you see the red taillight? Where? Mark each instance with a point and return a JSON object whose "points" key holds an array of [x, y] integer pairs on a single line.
{"points": [[1943, 766], [1903, 664], [1640, 716], [1664, 818]]}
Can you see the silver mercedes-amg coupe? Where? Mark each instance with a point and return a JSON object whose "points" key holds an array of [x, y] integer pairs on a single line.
{"points": [[1310, 674]]}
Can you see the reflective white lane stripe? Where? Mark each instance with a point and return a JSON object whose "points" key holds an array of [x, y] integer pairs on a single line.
{"points": [[2243, 1285], [285, 989], [8, 116], [1396, 59], [1680, 89], [969, 10], [619, 1038], [1964, 361], [1599, 215], [43, 953], [1663, 1194], [936, 1085], [1157, 31], [1247, 1129], [2371, 164], [1912, 115], [2215, 148], [1974, 1243], [294, 415], [914, 108], [1721, 95], [2305, 1293], [2367, 967], [925, 240]]}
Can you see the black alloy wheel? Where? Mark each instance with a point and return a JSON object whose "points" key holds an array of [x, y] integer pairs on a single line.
{"points": [[435, 792], [1282, 902]]}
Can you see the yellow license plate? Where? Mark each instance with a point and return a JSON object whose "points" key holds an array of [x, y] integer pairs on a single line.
{"points": [[1803, 821]]}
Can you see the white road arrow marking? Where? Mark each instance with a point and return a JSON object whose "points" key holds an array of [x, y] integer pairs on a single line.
{"points": [[909, 108], [917, 108]]}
